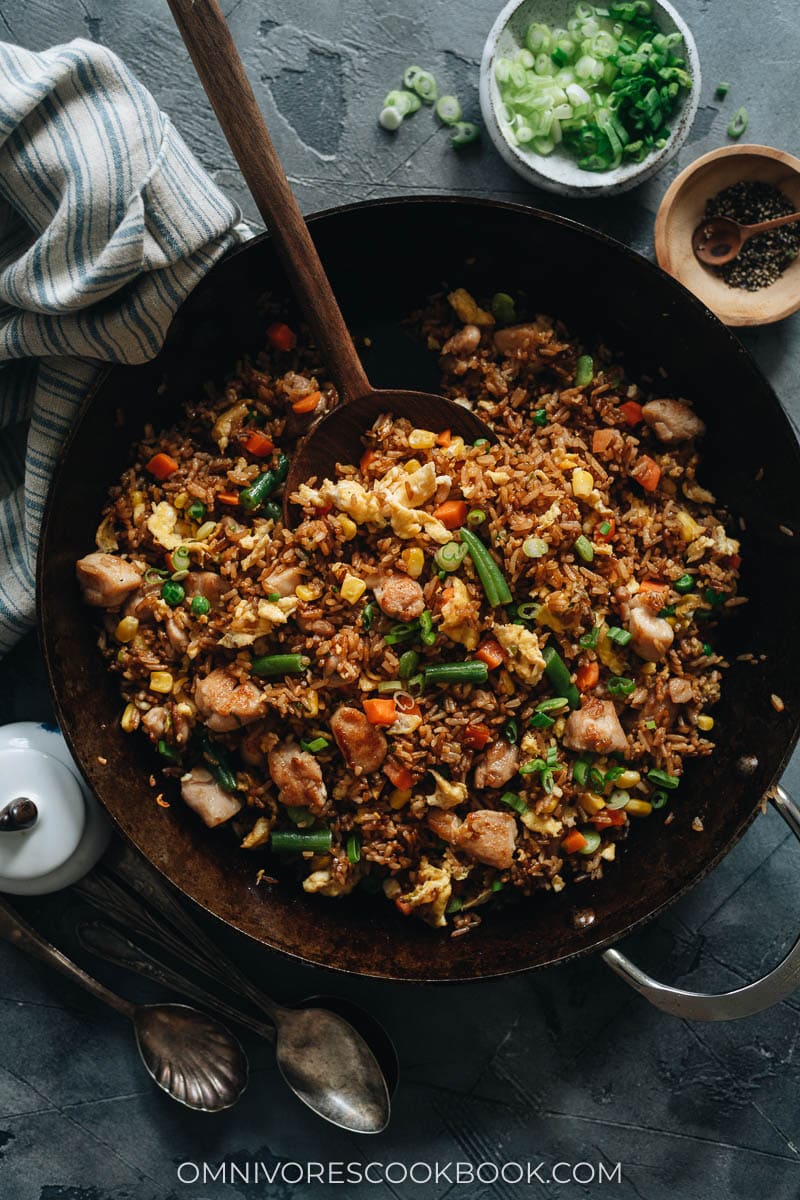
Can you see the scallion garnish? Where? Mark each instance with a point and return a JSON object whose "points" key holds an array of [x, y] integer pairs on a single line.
{"points": [[663, 780], [513, 800], [739, 123], [534, 547], [315, 746], [580, 771], [620, 636], [427, 634], [450, 556], [448, 110], [539, 416], [353, 848], [684, 584], [589, 640], [584, 371], [620, 685], [511, 731]]}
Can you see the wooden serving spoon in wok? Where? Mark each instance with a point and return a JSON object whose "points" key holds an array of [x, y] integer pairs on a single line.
{"points": [[337, 436]]}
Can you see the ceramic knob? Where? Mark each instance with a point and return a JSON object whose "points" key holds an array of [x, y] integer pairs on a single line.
{"points": [[52, 831]]}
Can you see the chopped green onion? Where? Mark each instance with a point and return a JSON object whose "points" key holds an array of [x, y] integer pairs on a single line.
{"points": [[427, 633], [454, 905], [271, 511], [514, 801], [457, 672], [531, 768], [450, 556], [707, 649], [605, 528], [650, 724], [491, 577], [551, 757], [589, 640], [722, 90], [196, 510], [172, 593], [316, 745], [659, 799], [401, 632], [390, 685], [614, 773], [511, 731], [558, 674], [409, 661], [497, 885], [368, 615], [540, 720], [540, 416], [200, 606], [580, 771], [390, 119], [529, 610], [620, 636], [503, 310], [618, 799], [684, 584], [584, 548], [663, 780], [168, 752], [738, 124], [547, 781], [592, 838], [464, 133], [476, 516], [668, 610], [584, 372], [218, 765], [295, 841], [405, 102], [597, 778], [153, 574], [620, 685], [448, 110], [354, 848], [421, 82], [273, 665], [299, 816], [534, 547], [552, 704], [713, 597]]}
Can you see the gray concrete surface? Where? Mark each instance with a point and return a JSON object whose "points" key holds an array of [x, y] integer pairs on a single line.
{"points": [[563, 1066]]}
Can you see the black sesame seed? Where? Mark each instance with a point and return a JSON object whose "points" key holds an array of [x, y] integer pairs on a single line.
{"points": [[764, 258]]}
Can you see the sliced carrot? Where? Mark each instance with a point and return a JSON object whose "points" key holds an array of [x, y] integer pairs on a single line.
{"points": [[444, 438], [401, 777], [632, 412], [734, 561], [651, 585], [477, 736], [574, 842], [646, 472], [162, 466], [380, 712], [307, 404], [609, 816], [280, 336], [587, 676], [366, 459], [492, 653], [227, 497], [258, 444], [161, 802], [452, 514], [606, 537]]}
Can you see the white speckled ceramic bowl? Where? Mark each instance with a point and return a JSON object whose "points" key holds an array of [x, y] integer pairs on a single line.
{"points": [[559, 172]]}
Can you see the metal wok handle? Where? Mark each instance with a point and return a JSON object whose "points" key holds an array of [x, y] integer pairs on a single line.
{"points": [[725, 1006]]}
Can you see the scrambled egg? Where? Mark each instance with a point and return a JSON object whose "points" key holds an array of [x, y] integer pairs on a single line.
{"points": [[251, 621], [322, 882], [460, 615], [522, 647], [447, 795], [395, 500], [430, 895], [467, 309], [161, 523], [105, 539], [405, 723], [549, 826], [225, 423], [258, 835], [352, 497]]}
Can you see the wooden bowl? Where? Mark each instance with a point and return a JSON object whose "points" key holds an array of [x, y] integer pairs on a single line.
{"points": [[682, 210]]}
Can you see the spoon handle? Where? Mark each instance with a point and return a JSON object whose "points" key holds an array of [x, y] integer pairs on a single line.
{"points": [[22, 935], [217, 62], [763, 226]]}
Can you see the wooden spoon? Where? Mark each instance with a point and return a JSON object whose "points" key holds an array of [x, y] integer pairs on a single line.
{"points": [[336, 437], [718, 240]]}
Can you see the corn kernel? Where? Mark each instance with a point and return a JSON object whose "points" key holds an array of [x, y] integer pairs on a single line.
{"points": [[688, 526], [180, 501], [591, 803], [161, 681], [130, 718], [399, 798], [353, 588], [705, 722], [311, 702], [627, 779], [649, 669], [127, 629], [557, 883], [413, 465], [347, 526], [639, 808], [422, 439], [610, 853], [582, 483], [305, 593], [456, 447], [414, 561], [205, 531], [505, 684]]}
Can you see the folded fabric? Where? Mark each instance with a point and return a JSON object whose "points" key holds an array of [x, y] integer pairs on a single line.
{"points": [[107, 222]]}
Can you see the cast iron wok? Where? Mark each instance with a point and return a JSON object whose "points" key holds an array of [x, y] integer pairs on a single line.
{"points": [[384, 258]]}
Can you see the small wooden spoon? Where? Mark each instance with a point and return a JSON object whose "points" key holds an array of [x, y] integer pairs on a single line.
{"points": [[337, 436], [718, 240]]}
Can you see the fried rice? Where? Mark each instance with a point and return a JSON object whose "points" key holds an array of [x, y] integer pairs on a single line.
{"points": [[467, 668]]}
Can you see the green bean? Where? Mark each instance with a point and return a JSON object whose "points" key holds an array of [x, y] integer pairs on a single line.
{"points": [[457, 672], [294, 841], [558, 674], [219, 767], [491, 577], [272, 665], [251, 498]]}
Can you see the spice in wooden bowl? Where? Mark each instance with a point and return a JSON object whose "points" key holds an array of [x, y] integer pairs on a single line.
{"points": [[765, 257]]}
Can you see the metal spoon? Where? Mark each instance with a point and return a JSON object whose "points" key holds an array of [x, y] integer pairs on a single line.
{"points": [[337, 436], [718, 240], [191, 1057], [320, 1056]]}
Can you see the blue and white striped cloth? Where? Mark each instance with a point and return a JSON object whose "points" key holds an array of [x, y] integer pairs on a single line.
{"points": [[107, 222]]}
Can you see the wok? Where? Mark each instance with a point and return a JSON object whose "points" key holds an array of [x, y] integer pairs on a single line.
{"points": [[384, 258]]}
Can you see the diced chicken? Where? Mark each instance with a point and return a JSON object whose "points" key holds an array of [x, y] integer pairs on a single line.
{"points": [[444, 824], [465, 341], [225, 704], [399, 597], [208, 584], [672, 421], [487, 836], [607, 443], [295, 386], [497, 765], [106, 579], [363, 745], [429, 896], [460, 615], [595, 726], [298, 777], [177, 636], [283, 582], [651, 635], [156, 722], [204, 796], [680, 690], [143, 603], [522, 648]]}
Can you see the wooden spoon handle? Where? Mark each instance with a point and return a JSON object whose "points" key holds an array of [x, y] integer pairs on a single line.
{"points": [[762, 227], [216, 59]]}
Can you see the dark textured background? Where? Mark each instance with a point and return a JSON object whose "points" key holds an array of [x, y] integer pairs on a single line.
{"points": [[564, 1065]]}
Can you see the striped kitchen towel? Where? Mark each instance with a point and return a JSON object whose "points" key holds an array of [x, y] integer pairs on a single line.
{"points": [[106, 224]]}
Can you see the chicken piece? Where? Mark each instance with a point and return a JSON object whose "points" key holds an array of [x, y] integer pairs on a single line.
{"points": [[363, 745], [465, 341], [595, 726], [672, 421], [226, 704], [460, 615], [204, 796], [298, 777], [143, 603], [251, 748], [283, 582], [522, 648], [207, 584], [607, 443], [156, 722], [520, 341], [680, 690], [106, 579], [651, 635], [497, 765], [489, 837], [177, 636], [444, 824], [399, 597], [430, 895]]}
